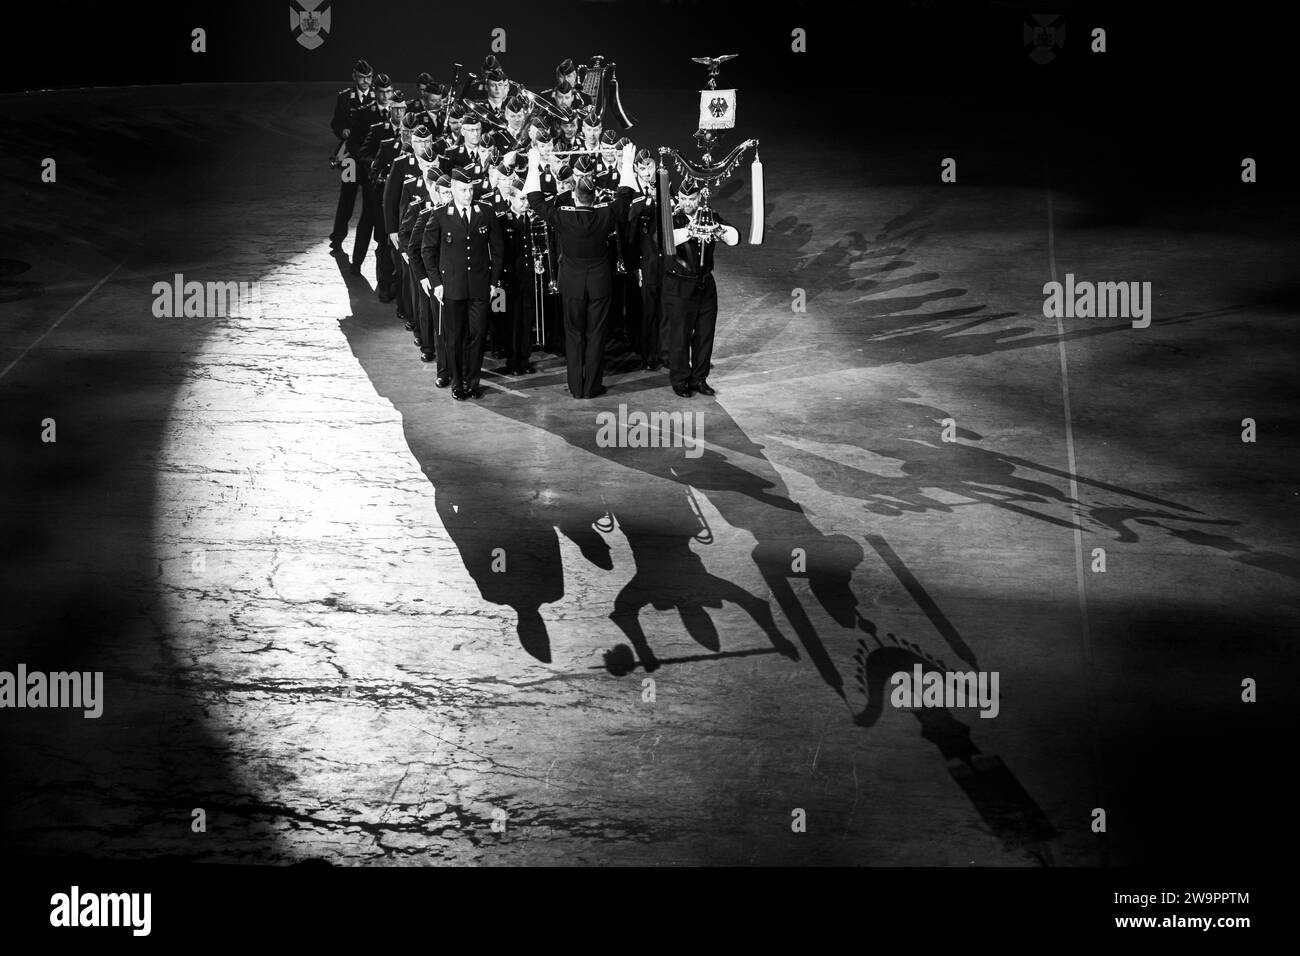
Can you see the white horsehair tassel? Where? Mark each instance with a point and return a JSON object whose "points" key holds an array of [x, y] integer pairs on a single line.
{"points": [[756, 202]]}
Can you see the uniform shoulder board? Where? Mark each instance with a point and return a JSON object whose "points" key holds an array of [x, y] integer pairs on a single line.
{"points": [[410, 179], [373, 125], [415, 199]]}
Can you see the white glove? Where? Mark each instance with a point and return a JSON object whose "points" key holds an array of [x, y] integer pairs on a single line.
{"points": [[397, 243], [424, 284], [437, 293]]}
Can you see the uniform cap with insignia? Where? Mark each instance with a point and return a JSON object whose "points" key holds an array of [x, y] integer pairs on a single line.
{"points": [[565, 68], [516, 104], [622, 142], [505, 169], [462, 175], [517, 183], [362, 68], [471, 121], [444, 181], [496, 75], [564, 173], [421, 132], [382, 82], [544, 136], [688, 188], [398, 98], [411, 121], [457, 110], [424, 80], [584, 164], [643, 155], [608, 138], [591, 121]]}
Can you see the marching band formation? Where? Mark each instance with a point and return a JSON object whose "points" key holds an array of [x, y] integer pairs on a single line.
{"points": [[510, 220]]}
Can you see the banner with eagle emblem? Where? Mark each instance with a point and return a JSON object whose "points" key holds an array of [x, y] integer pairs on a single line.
{"points": [[717, 109]]}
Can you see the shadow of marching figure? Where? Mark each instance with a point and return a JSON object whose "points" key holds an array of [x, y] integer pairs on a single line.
{"points": [[999, 798], [670, 575]]}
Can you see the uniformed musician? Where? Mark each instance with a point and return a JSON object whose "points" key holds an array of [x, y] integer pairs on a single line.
{"points": [[463, 253], [582, 227], [690, 296], [348, 101]]}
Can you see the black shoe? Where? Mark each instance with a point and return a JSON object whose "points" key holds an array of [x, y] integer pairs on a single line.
{"points": [[416, 340], [472, 392], [526, 369], [683, 390], [408, 325], [704, 388], [459, 394], [424, 357], [441, 382], [597, 391]]}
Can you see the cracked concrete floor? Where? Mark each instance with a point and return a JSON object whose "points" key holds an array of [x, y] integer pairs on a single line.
{"points": [[277, 539]]}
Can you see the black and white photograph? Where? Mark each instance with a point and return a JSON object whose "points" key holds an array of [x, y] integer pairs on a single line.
{"points": [[619, 434]]}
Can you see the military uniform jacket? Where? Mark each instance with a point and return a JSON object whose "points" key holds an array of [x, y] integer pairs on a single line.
{"points": [[372, 147], [403, 166], [415, 203], [416, 233], [685, 261], [467, 257], [518, 264], [345, 103], [582, 234], [363, 118], [641, 244]]}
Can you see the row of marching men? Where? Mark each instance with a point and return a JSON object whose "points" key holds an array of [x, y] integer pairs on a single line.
{"points": [[499, 225]]}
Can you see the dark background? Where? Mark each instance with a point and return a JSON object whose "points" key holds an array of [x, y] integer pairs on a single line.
{"points": [[1230, 55]]}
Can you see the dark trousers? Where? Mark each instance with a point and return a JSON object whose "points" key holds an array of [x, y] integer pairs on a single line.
{"points": [[402, 277], [384, 251], [520, 315], [584, 339], [432, 342], [690, 318], [343, 212], [618, 320], [499, 322], [650, 314], [464, 328], [553, 324], [365, 230]]}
